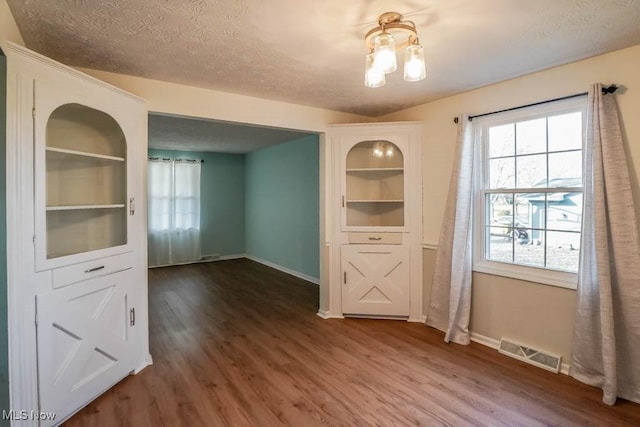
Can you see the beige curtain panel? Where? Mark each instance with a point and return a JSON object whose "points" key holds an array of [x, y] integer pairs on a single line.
{"points": [[450, 304], [606, 345]]}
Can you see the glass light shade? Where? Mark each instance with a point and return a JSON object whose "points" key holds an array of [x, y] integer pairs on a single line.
{"points": [[385, 53], [414, 68], [378, 150], [388, 151], [373, 76]]}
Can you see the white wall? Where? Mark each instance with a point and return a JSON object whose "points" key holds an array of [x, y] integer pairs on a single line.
{"points": [[176, 99], [537, 314], [8, 28]]}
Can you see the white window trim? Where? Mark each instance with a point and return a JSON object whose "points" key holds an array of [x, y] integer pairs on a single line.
{"points": [[480, 264]]}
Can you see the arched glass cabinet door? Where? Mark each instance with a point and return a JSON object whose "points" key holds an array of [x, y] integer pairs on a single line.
{"points": [[375, 185], [86, 181]]}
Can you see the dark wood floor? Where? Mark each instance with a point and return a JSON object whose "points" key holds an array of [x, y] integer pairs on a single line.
{"points": [[237, 343]]}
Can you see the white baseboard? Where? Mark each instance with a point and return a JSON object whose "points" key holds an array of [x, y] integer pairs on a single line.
{"points": [[228, 257], [327, 315], [285, 269], [204, 259], [486, 341], [495, 344], [421, 319], [148, 361]]}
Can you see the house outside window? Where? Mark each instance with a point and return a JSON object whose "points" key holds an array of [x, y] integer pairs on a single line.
{"points": [[529, 192]]}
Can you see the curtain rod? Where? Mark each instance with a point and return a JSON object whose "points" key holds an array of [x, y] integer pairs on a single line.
{"points": [[157, 159], [605, 90]]}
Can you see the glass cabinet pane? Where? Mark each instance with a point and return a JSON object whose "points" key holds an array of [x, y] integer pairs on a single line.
{"points": [[80, 128], [83, 180], [375, 185], [374, 154], [82, 230], [86, 181]]}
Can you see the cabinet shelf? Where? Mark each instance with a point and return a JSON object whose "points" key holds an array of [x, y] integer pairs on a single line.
{"points": [[83, 207], [84, 154], [375, 170], [375, 201]]}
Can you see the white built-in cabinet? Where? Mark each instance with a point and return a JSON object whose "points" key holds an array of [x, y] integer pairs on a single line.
{"points": [[376, 267], [76, 155]]}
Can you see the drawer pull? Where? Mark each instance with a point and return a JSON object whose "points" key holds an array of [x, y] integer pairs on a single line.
{"points": [[91, 270], [375, 238]]}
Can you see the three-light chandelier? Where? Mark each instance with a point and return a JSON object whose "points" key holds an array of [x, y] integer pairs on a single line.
{"points": [[382, 45]]}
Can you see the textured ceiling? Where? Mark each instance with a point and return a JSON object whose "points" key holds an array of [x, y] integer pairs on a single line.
{"points": [[311, 52], [179, 133]]}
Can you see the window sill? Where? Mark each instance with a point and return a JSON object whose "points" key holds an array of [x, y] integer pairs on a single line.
{"points": [[559, 279]]}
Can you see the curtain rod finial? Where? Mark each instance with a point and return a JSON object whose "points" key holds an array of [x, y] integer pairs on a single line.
{"points": [[610, 89]]}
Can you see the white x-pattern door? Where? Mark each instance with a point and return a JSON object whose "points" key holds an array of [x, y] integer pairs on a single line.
{"points": [[86, 341], [375, 280]]}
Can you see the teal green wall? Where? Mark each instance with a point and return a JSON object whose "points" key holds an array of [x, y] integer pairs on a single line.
{"points": [[282, 205], [222, 210], [4, 343]]}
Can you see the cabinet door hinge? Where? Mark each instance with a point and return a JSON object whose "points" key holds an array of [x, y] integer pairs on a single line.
{"points": [[132, 206], [33, 113], [132, 317], [343, 201], [33, 239], [345, 277]]}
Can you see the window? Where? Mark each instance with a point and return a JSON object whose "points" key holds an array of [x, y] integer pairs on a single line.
{"points": [[529, 192], [174, 195], [173, 211]]}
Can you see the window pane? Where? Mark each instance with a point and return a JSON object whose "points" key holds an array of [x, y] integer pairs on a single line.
{"points": [[565, 132], [565, 169], [187, 179], [502, 173], [499, 245], [526, 253], [532, 171], [563, 250], [530, 213], [501, 140], [523, 210], [159, 213], [499, 232], [500, 209], [531, 136], [564, 211]]}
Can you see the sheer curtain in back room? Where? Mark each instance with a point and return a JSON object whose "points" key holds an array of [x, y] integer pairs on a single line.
{"points": [[174, 211]]}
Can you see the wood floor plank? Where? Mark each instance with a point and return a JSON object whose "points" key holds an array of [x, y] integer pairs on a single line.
{"points": [[236, 343]]}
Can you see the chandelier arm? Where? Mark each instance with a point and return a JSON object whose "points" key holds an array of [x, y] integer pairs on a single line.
{"points": [[413, 24], [398, 26]]}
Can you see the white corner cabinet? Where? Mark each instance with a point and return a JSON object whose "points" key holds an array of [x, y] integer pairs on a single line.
{"points": [[376, 265], [76, 234]]}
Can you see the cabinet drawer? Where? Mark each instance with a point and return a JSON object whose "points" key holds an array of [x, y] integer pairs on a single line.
{"points": [[86, 270], [375, 238]]}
